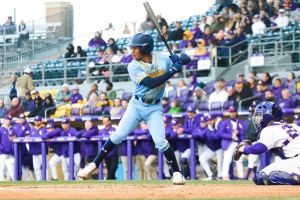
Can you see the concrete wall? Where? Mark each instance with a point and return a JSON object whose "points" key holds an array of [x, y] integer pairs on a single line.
{"points": [[60, 12]]}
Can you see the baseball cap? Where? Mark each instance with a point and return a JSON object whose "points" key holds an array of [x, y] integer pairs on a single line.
{"points": [[65, 121], [65, 85], [207, 116], [22, 116], [256, 16], [27, 70], [8, 117], [75, 87], [34, 92], [241, 75], [50, 125], [37, 118], [174, 122], [231, 109], [191, 109], [260, 83], [203, 119], [281, 10]]}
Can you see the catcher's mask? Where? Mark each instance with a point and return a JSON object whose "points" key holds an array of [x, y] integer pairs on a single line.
{"points": [[264, 113]]}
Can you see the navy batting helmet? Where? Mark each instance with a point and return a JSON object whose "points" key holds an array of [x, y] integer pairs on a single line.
{"points": [[144, 41], [264, 113]]}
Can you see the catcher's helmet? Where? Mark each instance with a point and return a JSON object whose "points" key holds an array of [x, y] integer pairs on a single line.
{"points": [[144, 41], [264, 113]]}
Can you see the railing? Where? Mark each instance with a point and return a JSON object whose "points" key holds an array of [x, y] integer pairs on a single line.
{"points": [[230, 55], [246, 99], [277, 51], [70, 69], [40, 35], [99, 140]]}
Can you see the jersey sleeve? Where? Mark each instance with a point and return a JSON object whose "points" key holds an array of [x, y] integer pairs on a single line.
{"points": [[266, 138], [272, 136], [136, 72]]}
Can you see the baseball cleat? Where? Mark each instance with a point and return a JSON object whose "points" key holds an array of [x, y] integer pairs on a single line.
{"points": [[86, 172], [178, 179], [208, 179]]}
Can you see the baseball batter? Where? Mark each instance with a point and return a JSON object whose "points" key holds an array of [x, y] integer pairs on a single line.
{"points": [[148, 72], [274, 134]]}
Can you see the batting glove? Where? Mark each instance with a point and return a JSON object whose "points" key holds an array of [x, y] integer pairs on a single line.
{"points": [[177, 64]]}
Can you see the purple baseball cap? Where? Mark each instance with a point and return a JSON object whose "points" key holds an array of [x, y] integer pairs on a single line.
{"points": [[174, 121], [65, 121], [22, 116], [50, 125], [203, 119], [37, 119], [8, 117], [231, 109], [191, 109]]}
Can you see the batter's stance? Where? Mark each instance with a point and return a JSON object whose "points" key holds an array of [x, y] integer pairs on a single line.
{"points": [[148, 72]]}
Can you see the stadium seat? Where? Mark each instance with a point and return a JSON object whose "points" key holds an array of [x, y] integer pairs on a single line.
{"points": [[203, 106], [227, 104], [86, 110], [216, 105]]}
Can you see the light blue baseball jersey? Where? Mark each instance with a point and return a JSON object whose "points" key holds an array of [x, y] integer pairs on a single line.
{"points": [[138, 70], [137, 110]]}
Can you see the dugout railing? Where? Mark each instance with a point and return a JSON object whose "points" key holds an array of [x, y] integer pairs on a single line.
{"points": [[264, 161]]}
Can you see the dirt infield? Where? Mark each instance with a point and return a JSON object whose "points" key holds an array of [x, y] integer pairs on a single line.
{"points": [[145, 191]]}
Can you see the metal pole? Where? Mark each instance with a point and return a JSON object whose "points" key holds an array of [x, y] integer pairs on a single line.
{"points": [[276, 53], [43, 75], [65, 71], [230, 56], [20, 162], [4, 45], [110, 71], [16, 164], [33, 39], [193, 161], [160, 165], [100, 174], [129, 158], [71, 160], [44, 161], [87, 70]]}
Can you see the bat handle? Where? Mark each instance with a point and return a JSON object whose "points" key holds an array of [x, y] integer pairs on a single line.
{"points": [[171, 52]]}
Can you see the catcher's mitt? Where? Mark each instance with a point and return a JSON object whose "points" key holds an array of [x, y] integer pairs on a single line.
{"points": [[237, 154]]}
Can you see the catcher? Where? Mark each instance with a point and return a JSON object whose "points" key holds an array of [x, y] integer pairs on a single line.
{"points": [[274, 134]]}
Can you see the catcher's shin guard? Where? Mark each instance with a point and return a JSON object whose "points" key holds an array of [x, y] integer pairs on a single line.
{"points": [[283, 178], [261, 178]]}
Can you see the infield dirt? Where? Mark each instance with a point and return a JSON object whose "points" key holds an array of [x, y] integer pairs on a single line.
{"points": [[146, 191]]}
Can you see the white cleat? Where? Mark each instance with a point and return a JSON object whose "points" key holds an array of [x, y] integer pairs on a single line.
{"points": [[208, 179], [178, 179], [86, 172]]}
